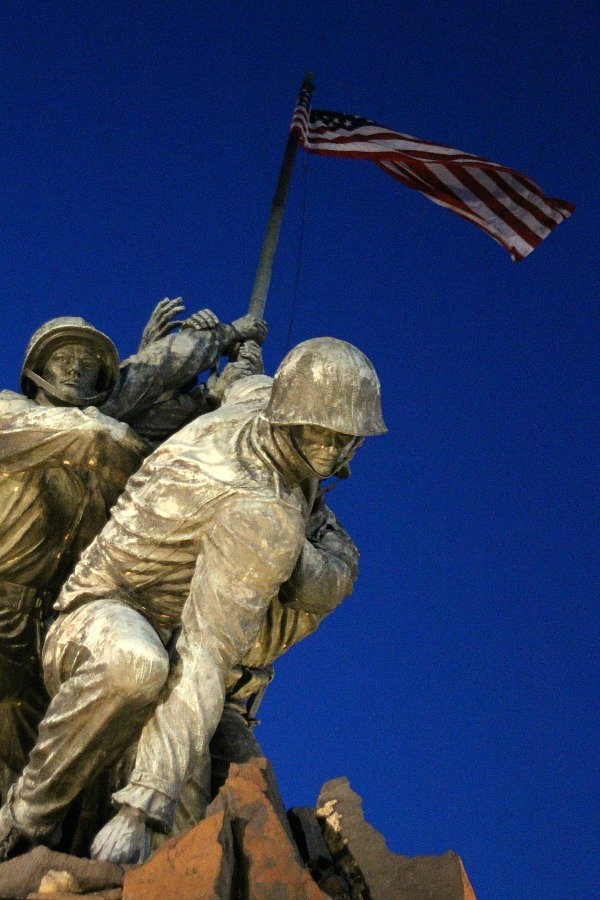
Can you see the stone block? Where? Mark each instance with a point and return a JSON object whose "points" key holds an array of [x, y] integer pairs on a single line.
{"points": [[270, 864], [373, 872], [198, 865], [22, 876]]}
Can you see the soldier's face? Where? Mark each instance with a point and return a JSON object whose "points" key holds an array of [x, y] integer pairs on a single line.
{"points": [[325, 451], [74, 370]]}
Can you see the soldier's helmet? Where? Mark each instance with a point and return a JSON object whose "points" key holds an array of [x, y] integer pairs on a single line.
{"points": [[330, 383], [70, 330]]}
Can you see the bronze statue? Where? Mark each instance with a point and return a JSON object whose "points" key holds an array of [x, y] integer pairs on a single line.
{"points": [[209, 532], [64, 459], [61, 469], [157, 393], [282, 627]]}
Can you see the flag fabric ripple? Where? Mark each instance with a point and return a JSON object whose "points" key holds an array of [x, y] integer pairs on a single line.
{"points": [[509, 206]]}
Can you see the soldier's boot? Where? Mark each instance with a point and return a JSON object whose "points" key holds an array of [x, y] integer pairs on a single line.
{"points": [[12, 839], [17, 838], [127, 838]]}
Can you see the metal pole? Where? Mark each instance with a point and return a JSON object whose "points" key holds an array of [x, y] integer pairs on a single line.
{"points": [[267, 253]]}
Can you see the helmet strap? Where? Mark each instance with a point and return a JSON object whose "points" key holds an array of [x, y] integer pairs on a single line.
{"points": [[56, 394]]}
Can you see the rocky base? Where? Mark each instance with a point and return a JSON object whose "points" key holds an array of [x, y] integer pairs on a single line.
{"points": [[30, 875], [243, 850]]}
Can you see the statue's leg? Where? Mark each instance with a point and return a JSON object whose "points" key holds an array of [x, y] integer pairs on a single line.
{"points": [[232, 742], [105, 665], [239, 568], [20, 716], [175, 739], [23, 697], [174, 742], [193, 801]]}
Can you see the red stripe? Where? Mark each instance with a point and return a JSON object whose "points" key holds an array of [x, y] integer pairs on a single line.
{"points": [[438, 190], [315, 119], [511, 219], [411, 166], [324, 145], [432, 186], [357, 136], [525, 202]]}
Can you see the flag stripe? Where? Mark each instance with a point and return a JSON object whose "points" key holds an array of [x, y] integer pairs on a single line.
{"points": [[498, 203], [492, 216], [456, 197], [453, 195], [506, 204], [301, 114], [540, 214], [536, 201]]}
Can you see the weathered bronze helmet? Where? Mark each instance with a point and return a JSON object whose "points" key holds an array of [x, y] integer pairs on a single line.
{"points": [[67, 330], [330, 383]]}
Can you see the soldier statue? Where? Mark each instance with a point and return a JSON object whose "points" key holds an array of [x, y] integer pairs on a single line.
{"points": [[65, 456], [172, 594]]}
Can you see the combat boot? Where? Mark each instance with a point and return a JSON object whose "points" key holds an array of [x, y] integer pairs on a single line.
{"points": [[12, 839]]}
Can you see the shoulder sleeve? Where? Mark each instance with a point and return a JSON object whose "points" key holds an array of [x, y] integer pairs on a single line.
{"points": [[37, 435], [249, 550], [323, 576], [166, 365]]}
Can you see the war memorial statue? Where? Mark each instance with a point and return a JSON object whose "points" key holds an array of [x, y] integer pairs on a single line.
{"points": [[221, 531], [65, 456]]}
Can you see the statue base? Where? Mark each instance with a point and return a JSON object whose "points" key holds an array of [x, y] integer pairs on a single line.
{"points": [[244, 849]]}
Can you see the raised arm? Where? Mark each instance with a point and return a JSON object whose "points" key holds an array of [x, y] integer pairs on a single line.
{"points": [[169, 359]]}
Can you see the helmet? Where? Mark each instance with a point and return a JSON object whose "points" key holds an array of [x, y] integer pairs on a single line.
{"points": [[67, 330], [330, 383]]}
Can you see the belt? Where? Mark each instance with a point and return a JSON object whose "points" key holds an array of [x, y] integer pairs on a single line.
{"points": [[244, 681], [245, 695], [23, 598]]}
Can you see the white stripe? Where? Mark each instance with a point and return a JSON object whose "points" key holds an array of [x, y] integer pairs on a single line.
{"points": [[487, 222], [509, 203], [372, 147], [537, 199], [393, 140], [517, 248], [368, 146], [492, 221]]}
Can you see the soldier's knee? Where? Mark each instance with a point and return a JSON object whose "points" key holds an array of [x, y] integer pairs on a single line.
{"points": [[139, 670]]}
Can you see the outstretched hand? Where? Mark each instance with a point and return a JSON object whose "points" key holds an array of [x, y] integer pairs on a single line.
{"points": [[161, 321], [203, 320]]}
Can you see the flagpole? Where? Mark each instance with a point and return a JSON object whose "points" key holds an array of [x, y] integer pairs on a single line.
{"points": [[267, 253]]}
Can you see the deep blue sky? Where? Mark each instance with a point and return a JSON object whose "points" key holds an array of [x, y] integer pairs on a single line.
{"points": [[140, 143]]}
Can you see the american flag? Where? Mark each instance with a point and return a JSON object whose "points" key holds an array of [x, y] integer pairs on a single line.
{"points": [[509, 206], [301, 115]]}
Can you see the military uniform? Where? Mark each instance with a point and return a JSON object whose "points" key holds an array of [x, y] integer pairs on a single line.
{"points": [[61, 470], [204, 538], [294, 614]]}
